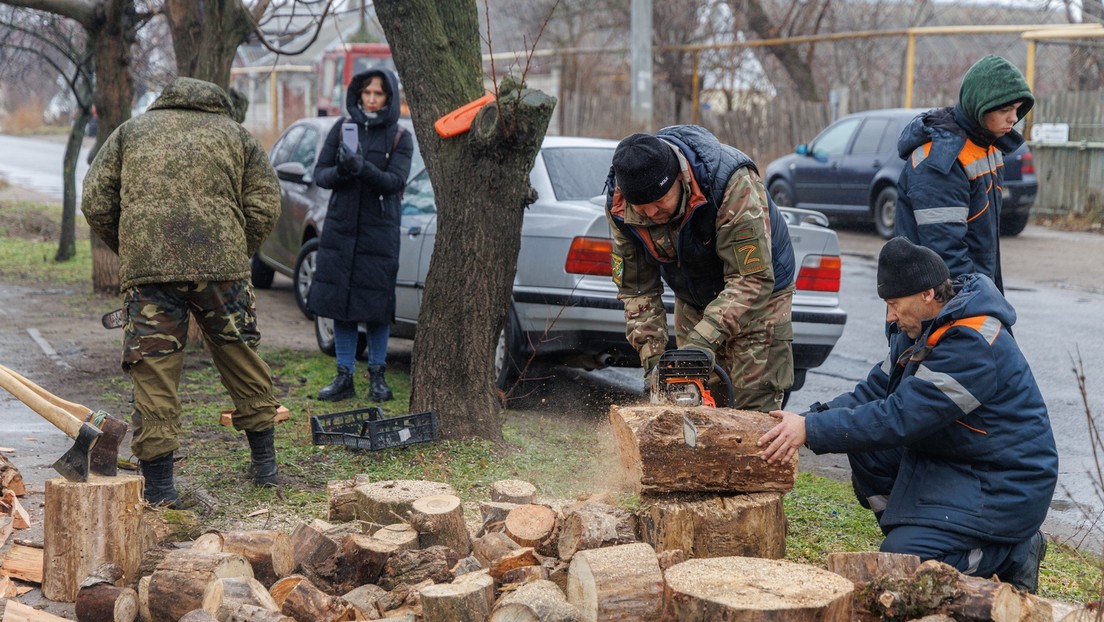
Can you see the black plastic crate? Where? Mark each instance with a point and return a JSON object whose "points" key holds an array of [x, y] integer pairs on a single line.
{"points": [[367, 428]]}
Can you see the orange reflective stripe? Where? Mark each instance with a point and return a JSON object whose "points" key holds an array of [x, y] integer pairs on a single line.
{"points": [[974, 322]]}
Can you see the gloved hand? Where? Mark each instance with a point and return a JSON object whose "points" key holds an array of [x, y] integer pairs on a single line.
{"points": [[349, 163]]}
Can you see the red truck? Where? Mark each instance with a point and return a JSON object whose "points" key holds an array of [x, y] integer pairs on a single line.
{"points": [[339, 65]]}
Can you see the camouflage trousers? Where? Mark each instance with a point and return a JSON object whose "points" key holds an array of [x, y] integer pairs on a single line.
{"points": [[759, 359], [154, 338]]}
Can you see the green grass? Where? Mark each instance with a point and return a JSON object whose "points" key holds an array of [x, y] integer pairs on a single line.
{"points": [[29, 233]]}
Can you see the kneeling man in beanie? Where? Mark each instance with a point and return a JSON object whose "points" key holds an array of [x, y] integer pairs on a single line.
{"points": [[949, 439], [688, 210]]}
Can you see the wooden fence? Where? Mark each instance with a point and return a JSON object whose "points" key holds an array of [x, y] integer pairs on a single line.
{"points": [[1071, 174]]}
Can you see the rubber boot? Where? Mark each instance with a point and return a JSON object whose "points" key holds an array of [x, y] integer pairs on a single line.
{"points": [[1025, 575], [340, 389], [380, 391], [158, 488], [262, 451]]}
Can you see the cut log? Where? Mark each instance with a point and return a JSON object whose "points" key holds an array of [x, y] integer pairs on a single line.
{"points": [[15, 611], [164, 526], [616, 583], [412, 567], [86, 524], [524, 574], [310, 545], [181, 579], [269, 552], [24, 563], [514, 559], [1080, 615], [492, 546], [10, 478], [359, 559], [531, 525], [866, 566], [386, 502], [539, 601], [104, 602], [20, 518], [242, 612], [592, 526], [7, 586], [364, 598], [402, 535], [143, 599], [403, 598], [439, 520], [513, 491], [5, 529], [936, 587], [454, 602], [300, 599], [655, 456], [198, 615], [704, 525], [494, 514], [342, 497], [222, 594], [482, 579], [466, 565], [730, 589]]}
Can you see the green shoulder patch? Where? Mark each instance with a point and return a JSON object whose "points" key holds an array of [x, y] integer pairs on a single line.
{"points": [[749, 258], [617, 266]]}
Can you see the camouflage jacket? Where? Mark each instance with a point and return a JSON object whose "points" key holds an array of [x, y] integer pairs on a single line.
{"points": [[182, 192]]}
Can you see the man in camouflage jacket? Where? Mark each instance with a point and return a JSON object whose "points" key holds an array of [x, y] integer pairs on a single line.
{"points": [[687, 209], [185, 195]]}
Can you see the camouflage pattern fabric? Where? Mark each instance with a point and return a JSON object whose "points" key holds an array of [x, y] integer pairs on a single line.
{"points": [[182, 192], [154, 338]]}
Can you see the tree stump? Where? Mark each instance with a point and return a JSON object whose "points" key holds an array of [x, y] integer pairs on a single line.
{"points": [[703, 525], [385, 502], [300, 599], [539, 601], [866, 566], [309, 545], [454, 602], [269, 552], [401, 535], [181, 579], [222, 594], [531, 525], [104, 602], [342, 497], [439, 520], [654, 454], [592, 526], [616, 583], [732, 589], [513, 491], [482, 579], [87, 524]]}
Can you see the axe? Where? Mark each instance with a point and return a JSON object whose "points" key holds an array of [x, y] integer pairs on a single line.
{"points": [[97, 435]]}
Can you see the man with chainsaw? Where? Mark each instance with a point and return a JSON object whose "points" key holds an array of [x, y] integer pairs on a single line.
{"points": [[949, 439], [185, 195], [689, 211]]}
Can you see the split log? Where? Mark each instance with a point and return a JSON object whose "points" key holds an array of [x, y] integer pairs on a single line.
{"points": [[539, 601], [5, 529], [616, 583], [364, 598], [466, 565], [492, 546], [86, 524], [7, 586], [514, 559], [309, 545], [103, 602], [198, 615], [866, 566], [531, 525], [936, 587], [143, 599], [10, 477], [300, 599], [20, 518], [513, 491], [222, 594], [359, 559], [181, 579], [15, 611], [737, 589], [524, 574], [243, 612], [650, 442], [342, 497], [412, 567], [454, 602], [24, 563], [439, 520], [494, 514], [383, 503], [269, 552], [592, 526], [704, 525], [482, 579], [402, 535]]}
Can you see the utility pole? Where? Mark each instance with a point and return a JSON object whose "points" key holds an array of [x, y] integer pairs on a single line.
{"points": [[642, 64]]}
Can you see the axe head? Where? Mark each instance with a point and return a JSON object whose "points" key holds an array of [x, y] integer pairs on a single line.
{"points": [[105, 455], [74, 465]]}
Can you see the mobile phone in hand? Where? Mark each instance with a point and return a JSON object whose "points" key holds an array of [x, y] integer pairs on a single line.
{"points": [[349, 136]]}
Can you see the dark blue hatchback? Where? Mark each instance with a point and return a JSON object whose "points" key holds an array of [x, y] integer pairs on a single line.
{"points": [[850, 170]]}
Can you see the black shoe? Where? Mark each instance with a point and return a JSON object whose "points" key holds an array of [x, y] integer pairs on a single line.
{"points": [[340, 389], [380, 391], [262, 451], [158, 488], [1025, 575]]}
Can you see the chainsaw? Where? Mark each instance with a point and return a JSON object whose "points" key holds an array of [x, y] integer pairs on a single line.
{"points": [[682, 379]]}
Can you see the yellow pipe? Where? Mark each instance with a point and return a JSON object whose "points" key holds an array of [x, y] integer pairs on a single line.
{"points": [[910, 69], [695, 89], [1029, 75]]}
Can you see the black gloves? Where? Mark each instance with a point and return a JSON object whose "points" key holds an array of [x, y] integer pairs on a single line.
{"points": [[349, 163]]}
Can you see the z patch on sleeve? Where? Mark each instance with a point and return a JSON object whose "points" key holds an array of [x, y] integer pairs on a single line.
{"points": [[749, 253], [617, 266]]}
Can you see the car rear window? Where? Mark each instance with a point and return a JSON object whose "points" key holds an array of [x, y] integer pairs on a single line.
{"points": [[869, 137], [577, 173]]}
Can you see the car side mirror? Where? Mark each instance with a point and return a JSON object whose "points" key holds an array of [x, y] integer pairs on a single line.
{"points": [[802, 149], [294, 172]]}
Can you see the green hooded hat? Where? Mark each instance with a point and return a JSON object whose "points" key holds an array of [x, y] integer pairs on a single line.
{"points": [[991, 83]]}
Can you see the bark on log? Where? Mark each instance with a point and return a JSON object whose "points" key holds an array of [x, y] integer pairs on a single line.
{"points": [[592, 526], [163, 526], [656, 458], [731, 589], [359, 559], [143, 599], [866, 566], [25, 563], [524, 574], [492, 546], [10, 477], [513, 491], [15, 611], [494, 514], [539, 601], [181, 579], [342, 497], [531, 525], [454, 602], [104, 602], [300, 599], [482, 579], [223, 593], [938, 588], [364, 598], [616, 583], [439, 520], [269, 552], [243, 612], [385, 502], [402, 535], [309, 545], [86, 524], [704, 525], [199, 615], [413, 567]]}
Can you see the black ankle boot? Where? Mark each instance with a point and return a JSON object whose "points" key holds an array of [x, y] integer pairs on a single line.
{"points": [[380, 391], [262, 464], [158, 488], [340, 389]]}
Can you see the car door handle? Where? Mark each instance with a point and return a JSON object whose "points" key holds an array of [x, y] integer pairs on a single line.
{"points": [[414, 232], [876, 164]]}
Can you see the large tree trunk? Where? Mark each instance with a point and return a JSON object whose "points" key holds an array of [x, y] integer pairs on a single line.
{"points": [[67, 242], [206, 35], [468, 291]]}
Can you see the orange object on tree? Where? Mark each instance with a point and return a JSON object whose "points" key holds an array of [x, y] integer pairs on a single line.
{"points": [[460, 120]]}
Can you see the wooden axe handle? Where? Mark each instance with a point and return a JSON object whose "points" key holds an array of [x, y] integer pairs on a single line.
{"points": [[77, 410], [61, 418]]}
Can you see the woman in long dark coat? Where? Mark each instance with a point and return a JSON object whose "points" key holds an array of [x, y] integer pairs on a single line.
{"points": [[358, 253]]}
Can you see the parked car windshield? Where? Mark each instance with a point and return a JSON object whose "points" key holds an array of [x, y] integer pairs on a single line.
{"points": [[577, 173]]}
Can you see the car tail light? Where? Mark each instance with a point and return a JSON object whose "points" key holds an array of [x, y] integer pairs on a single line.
{"points": [[589, 256], [1028, 164], [819, 273]]}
